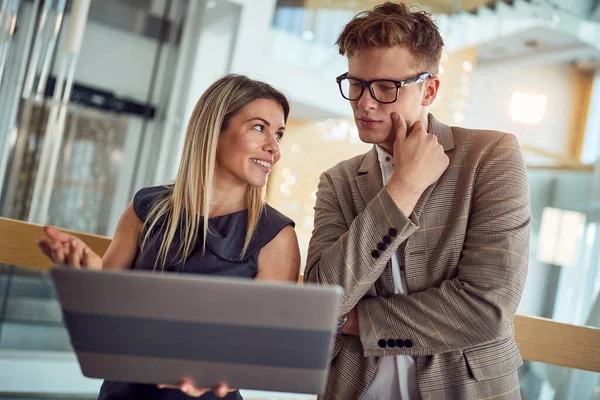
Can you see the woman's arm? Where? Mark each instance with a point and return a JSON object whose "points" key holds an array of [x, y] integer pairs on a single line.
{"points": [[63, 248], [279, 260], [124, 246]]}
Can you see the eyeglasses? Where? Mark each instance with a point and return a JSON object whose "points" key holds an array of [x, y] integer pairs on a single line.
{"points": [[384, 91]]}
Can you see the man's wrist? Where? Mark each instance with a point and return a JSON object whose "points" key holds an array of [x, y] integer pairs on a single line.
{"points": [[405, 196]]}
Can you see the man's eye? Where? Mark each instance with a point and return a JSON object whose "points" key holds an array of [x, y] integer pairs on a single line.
{"points": [[386, 88]]}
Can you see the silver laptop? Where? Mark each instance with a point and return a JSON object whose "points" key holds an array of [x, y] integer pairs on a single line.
{"points": [[143, 327]]}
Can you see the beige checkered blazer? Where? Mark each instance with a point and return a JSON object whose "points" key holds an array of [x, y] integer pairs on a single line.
{"points": [[465, 261]]}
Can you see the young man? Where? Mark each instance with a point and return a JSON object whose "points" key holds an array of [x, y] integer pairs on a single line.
{"points": [[427, 233]]}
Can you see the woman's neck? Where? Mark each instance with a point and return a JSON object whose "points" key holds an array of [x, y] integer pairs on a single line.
{"points": [[227, 199]]}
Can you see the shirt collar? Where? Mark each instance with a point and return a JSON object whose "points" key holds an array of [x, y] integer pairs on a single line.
{"points": [[385, 159]]}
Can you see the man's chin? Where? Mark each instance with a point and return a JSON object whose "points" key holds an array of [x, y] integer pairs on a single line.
{"points": [[372, 136]]}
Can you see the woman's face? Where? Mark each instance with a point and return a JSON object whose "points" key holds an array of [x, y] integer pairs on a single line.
{"points": [[248, 147]]}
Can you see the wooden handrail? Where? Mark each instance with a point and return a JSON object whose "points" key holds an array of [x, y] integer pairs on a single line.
{"points": [[539, 339], [18, 244], [551, 342]]}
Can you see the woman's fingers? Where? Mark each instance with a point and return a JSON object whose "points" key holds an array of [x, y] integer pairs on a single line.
{"points": [[63, 248], [45, 247], [75, 253], [57, 235], [191, 390], [221, 390], [90, 259], [187, 386], [58, 252]]}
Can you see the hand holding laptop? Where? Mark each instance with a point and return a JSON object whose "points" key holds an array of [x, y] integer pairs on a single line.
{"points": [[187, 387], [66, 249]]}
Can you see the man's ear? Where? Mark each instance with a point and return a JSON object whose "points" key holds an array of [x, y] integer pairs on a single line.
{"points": [[432, 86]]}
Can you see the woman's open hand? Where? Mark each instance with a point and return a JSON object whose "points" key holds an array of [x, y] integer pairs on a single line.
{"points": [[63, 248]]}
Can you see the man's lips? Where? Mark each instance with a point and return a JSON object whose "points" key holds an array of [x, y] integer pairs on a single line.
{"points": [[367, 122]]}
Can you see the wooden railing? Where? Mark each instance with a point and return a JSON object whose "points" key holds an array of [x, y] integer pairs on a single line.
{"points": [[539, 339], [18, 244]]}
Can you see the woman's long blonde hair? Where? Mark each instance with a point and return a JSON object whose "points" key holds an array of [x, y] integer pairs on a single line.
{"points": [[181, 208]]}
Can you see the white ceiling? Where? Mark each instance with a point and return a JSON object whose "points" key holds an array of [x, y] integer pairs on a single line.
{"points": [[539, 45]]}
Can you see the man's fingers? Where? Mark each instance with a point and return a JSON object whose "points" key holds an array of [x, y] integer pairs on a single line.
{"points": [[417, 127], [399, 126]]}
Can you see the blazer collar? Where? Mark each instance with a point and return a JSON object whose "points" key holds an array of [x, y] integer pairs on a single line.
{"points": [[442, 131]]}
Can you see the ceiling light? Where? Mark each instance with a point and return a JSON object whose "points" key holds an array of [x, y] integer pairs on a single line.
{"points": [[527, 107]]}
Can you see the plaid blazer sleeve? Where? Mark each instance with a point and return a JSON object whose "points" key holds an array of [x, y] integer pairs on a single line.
{"points": [[342, 255], [478, 305]]}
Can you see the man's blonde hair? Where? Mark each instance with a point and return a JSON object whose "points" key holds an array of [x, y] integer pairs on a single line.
{"points": [[394, 24]]}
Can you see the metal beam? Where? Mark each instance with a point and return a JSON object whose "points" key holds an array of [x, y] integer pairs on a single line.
{"points": [[595, 14]]}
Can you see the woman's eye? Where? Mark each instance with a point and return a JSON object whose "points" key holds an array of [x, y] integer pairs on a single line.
{"points": [[259, 128], [279, 136]]}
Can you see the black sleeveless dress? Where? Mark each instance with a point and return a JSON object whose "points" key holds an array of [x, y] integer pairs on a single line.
{"points": [[222, 257]]}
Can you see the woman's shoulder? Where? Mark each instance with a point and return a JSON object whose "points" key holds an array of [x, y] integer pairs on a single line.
{"points": [[145, 198], [227, 239], [271, 217], [271, 222]]}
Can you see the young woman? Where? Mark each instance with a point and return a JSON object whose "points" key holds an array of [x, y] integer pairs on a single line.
{"points": [[212, 219]]}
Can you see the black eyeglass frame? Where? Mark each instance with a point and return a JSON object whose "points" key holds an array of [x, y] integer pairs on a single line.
{"points": [[367, 84]]}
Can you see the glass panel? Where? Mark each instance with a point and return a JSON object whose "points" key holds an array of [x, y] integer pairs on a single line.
{"points": [[86, 171], [563, 279], [548, 382], [69, 169], [311, 32]]}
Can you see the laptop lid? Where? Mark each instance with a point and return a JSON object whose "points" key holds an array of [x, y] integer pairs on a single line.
{"points": [[138, 326]]}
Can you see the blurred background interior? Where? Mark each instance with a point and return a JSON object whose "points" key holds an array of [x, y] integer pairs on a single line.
{"points": [[95, 96]]}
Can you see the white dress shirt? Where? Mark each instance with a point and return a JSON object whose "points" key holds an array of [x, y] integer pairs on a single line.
{"points": [[396, 377]]}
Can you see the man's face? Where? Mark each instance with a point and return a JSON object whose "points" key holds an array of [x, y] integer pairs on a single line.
{"points": [[372, 118]]}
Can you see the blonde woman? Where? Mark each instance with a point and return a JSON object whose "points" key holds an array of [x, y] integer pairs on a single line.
{"points": [[212, 219]]}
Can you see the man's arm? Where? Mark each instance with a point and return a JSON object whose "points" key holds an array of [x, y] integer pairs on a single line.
{"points": [[346, 257], [354, 257], [477, 306]]}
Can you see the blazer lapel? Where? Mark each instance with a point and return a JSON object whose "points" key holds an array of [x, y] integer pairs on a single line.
{"points": [[369, 180]]}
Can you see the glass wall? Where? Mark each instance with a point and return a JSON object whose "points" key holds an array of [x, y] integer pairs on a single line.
{"points": [[85, 91]]}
